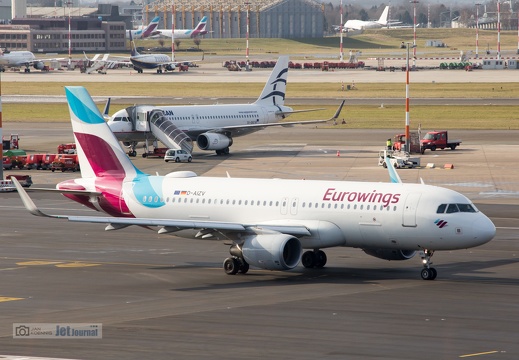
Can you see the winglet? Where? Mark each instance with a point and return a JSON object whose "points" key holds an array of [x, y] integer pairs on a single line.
{"points": [[27, 201], [393, 175], [338, 112]]}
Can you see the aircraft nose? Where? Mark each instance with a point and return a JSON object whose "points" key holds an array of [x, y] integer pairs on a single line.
{"points": [[484, 230]]}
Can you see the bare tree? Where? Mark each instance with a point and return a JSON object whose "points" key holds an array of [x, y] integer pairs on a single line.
{"points": [[197, 42]]}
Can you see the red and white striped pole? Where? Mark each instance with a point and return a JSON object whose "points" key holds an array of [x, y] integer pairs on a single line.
{"points": [[248, 29], [477, 30]]}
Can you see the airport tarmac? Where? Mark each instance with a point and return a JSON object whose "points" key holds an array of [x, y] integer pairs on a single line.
{"points": [[161, 297]]}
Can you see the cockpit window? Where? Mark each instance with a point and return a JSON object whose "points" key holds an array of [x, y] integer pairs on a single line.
{"points": [[441, 209], [454, 208], [117, 119], [466, 208]]}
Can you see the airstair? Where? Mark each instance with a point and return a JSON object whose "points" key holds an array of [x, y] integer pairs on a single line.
{"points": [[165, 130]]}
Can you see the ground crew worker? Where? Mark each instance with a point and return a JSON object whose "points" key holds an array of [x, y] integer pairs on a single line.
{"points": [[389, 144]]}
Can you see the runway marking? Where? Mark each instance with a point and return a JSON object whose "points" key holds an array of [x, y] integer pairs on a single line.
{"points": [[9, 269], [52, 262], [479, 354], [76, 265], [38, 263], [5, 299]]}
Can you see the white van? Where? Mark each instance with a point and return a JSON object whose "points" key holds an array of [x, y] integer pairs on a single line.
{"points": [[177, 156]]}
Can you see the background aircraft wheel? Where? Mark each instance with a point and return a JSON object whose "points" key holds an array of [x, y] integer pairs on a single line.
{"points": [[308, 259], [320, 258], [230, 266]]}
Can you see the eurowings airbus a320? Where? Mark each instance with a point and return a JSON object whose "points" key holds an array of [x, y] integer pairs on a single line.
{"points": [[268, 221]]}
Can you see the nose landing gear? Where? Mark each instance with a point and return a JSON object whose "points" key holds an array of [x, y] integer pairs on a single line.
{"points": [[428, 272]]}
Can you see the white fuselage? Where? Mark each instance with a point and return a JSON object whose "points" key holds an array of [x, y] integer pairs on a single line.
{"points": [[362, 25], [354, 214], [194, 120], [16, 58]]}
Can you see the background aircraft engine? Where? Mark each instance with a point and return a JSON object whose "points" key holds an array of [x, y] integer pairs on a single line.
{"points": [[170, 67], [38, 65], [272, 251], [213, 141], [391, 254]]}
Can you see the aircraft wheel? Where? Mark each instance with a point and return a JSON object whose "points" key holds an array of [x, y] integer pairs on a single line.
{"points": [[231, 266], [308, 259], [429, 273], [320, 258], [244, 268]]}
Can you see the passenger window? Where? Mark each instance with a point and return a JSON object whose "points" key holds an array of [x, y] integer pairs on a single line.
{"points": [[441, 209], [452, 208]]}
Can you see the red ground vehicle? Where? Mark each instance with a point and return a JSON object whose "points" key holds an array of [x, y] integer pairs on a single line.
{"points": [[47, 161], [6, 163], [64, 163], [157, 152], [16, 159], [34, 161], [67, 148], [399, 142], [437, 140], [25, 180]]}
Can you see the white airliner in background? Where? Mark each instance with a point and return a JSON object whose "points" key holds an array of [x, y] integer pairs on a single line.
{"points": [[212, 127], [267, 222], [198, 31], [362, 25], [22, 58], [146, 32]]}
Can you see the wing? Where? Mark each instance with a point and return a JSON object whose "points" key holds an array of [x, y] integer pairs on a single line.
{"points": [[238, 128], [166, 225]]}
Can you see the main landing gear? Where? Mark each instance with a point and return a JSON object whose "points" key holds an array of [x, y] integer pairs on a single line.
{"points": [[314, 259], [234, 265], [223, 151], [428, 273]]}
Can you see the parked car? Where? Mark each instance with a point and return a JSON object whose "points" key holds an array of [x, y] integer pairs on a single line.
{"points": [[177, 156]]}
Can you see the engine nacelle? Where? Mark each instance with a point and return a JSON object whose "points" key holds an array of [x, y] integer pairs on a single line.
{"points": [[272, 251], [38, 65], [390, 254], [213, 141], [170, 67]]}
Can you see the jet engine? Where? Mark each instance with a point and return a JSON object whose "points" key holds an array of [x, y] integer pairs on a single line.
{"points": [[213, 141], [270, 251], [390, 254], [38, 65], [170, 67]]}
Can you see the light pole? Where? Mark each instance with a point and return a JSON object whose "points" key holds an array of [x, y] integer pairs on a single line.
{"points": [[477, 30], [407, 140], [498, 30], [247, 40], [69, 66], [414, 2], [341, 49]]}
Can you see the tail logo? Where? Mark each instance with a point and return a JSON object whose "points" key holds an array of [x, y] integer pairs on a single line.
{"points": [[274, 84]]}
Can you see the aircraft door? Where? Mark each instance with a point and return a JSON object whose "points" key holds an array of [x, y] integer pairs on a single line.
{"points": [[410, 207], [141, 121]]}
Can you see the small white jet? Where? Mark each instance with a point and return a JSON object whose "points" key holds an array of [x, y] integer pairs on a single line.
{"points": [[212, 127], [198, 31], [10, 59], [145, 33], [266, 222], [362, 25]]}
